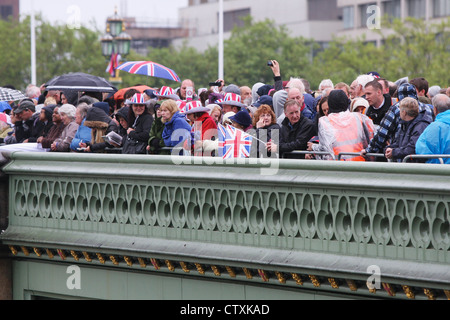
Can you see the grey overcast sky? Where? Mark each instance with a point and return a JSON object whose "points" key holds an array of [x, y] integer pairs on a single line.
{"points": [[73, 12]]}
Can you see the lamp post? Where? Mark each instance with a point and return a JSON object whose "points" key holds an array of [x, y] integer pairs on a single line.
{"points": [[116, 42], [221, 58], [33, 45]]}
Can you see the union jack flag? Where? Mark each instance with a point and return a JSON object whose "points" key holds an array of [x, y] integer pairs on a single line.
{"points": [[233, 143], [113, 64]]}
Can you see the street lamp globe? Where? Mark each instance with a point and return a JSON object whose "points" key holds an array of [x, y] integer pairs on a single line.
{"points": [[107, 45], [116, 24], [123, 43]]}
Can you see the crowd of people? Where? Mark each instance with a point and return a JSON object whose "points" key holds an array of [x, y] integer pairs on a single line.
{"points": [[371, 119]]}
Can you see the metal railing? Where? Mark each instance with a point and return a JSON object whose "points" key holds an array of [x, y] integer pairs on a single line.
{"points": [[440, 157], [408, 158], [329, 219]]}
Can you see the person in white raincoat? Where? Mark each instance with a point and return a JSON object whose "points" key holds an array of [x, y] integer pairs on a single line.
{"points": [[342, 131]]}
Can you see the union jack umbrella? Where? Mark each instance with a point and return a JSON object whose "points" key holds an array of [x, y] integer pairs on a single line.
{"points": [[149, 68], [7, 94], [234, 143]]}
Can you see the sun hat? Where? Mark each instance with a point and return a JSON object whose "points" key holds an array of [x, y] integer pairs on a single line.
{"points": [[167, 93], [232, 99], [194, 107], [138, 98]]}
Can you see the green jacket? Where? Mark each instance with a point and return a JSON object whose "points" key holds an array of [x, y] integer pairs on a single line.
{"points": [[156, 142]]}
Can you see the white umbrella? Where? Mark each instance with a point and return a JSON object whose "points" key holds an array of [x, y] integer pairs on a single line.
{"points": [[7, 94]]}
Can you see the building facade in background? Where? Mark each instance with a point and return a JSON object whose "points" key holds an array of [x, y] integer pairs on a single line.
{"points": [[9, 8], [147, 35], [315, 19], [320, 20], [357, 14]]}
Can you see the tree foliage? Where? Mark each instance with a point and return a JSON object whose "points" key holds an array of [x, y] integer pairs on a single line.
{"points": [[186, 61], [251, 46], [411, 48], [415, 49], [59, 50], [15, 56]]}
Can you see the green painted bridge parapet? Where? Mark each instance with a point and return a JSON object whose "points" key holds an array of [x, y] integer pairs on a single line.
{"points": [[378, 230]]}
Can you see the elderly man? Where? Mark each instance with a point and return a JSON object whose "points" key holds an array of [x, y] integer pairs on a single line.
{"points": [[435, 140], [413, 123], [297, 94], [357, 86], [246, 95], [183, 89], [296, 131]]}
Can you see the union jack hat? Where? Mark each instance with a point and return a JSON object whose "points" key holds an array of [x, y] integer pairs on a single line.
{"points": [[232, 99], [138, 98], [194, 107], [181, 105], [167, 93]]}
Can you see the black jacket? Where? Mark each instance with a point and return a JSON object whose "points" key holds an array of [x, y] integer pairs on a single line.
{"points": [[296, 137], [23, 129], [41, 129], [142, 127], [264, 135], [378, 114], [101, 124]]}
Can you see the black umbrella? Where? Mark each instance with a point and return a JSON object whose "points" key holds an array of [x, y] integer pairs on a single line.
{"points": [[81, 82]]}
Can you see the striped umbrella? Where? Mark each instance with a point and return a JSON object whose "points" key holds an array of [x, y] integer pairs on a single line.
{"points": [[149, 68], [7, 94]]}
